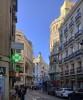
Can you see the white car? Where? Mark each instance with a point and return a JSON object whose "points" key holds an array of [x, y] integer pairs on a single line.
{"points": [[63, 92]]}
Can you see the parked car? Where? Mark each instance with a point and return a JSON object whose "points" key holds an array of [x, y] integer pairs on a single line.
{"points": [[76, 95], [63, 92], [52, 91]]}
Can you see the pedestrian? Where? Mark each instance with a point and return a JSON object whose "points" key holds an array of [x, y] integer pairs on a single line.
{"points": [[22, 93], [13, 93]]}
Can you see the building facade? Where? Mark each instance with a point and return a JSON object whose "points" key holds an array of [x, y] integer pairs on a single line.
{"points": [[8, 19], [70, 50], [40, 70], [54, 42], [26, 65]]}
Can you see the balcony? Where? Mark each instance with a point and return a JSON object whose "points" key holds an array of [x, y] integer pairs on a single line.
{"points": [[61, 73], [78, 16], [71, 39], [66, 43], [51, 71], [71, 56], [60, 48], [72, 71], [66, 59], [16, 19], [67, 72], [65, 31], [71, 24], [79, 33], [79, 69], [60, 61], [61, 35], [78, 53]]}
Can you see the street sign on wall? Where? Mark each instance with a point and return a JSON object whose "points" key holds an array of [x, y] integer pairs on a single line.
{"points": [[2, 70], [17, 45]]}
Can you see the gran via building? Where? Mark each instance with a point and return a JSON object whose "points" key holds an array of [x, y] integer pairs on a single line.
{"points": [[70, 50]]}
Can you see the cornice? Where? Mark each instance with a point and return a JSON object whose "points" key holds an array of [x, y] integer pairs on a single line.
{"points": [[71, 12]]}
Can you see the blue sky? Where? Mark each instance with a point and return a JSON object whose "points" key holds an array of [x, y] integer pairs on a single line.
{"points": [[34, 19]]}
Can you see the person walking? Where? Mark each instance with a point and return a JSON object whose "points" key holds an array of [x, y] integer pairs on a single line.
{"points": [[23, 92], [13, 93]]}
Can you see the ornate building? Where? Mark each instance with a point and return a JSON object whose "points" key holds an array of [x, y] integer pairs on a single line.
{"points": [[40, 70], [26, 65], [70, 51], [54, 42]]}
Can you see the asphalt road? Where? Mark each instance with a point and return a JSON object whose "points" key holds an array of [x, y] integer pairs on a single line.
{"points": [[34, 95]]}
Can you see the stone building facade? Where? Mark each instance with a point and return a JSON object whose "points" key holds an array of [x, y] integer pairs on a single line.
{"points": [[26, 65], [54, 42], [70, 50], [8, 19], [40, 70]]}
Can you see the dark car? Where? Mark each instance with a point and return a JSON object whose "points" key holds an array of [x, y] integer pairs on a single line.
{"points": [[76, 95], [52, 91]]}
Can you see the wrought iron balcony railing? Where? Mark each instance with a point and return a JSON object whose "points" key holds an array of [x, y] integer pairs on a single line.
{"points": [[79, 33], [66, 58], [72, 71], [79, 69], [66, 29], [71, 24], [60, 48], [78, 16], [71, 39], [61, 73], [79, 52], [66, 43], [60, 61], [67, 72], [71, 56]]}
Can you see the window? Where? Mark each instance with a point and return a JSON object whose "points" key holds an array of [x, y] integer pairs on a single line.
{"points": [[33, 69], [18, 35], [18, 51], [61, 31], [72, 49], [66, 53], [66, 67], [61, 42], [56, 26], [79, 46], [78, 27], [72, 34], [72, 19], [79, 63], [66, 38], [72, 66], [61, 56], [78, 10], [66, 25]]}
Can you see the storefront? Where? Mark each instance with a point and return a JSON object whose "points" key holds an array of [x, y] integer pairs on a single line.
{"points": [[80, 81], [2, 82]]}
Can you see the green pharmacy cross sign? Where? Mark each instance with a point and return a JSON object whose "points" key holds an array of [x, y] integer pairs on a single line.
{"points": [[16, 58]]}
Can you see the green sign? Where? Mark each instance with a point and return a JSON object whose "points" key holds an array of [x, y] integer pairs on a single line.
{"points": [[16, 58], [17, 68]]}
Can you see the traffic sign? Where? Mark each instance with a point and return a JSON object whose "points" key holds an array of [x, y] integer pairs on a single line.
{"points": [[17, 45]]}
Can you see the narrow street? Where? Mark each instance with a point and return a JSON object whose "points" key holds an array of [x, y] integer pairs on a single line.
{"points": [[34, 95]]}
